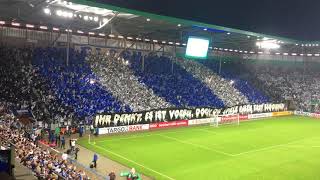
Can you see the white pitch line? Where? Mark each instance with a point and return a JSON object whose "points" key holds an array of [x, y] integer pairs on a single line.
{"points": [[196, 145], [116, 154], [269, 147]]}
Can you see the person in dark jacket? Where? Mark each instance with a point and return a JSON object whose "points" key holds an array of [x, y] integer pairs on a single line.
{"points": [[95, 159]]}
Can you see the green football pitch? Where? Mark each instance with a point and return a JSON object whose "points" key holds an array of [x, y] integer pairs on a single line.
{"points": [[279, 148]]}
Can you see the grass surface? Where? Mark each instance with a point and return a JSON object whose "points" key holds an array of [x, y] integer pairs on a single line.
{"points": [[280, 148]]}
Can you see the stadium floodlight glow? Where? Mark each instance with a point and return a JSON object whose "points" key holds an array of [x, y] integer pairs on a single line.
{"points": [[59, 12], [197, 47], [228, 33], [47, 11], [184, 44], [286, 54], [297, 44], [170, 42], [120, 37], [240, 51], [231, 50], [102, 34], [293, 54], [277, 53], [179, 25], [246, 52], [44, 27], [147, 40], [205, 29], [260, 52], [86, 18], [129, 38], [317, 44], [91, 33], [268, 45], [15, 24], [163, 42], [220, 49], [248, 37], [309, 54], [148, 19], [178, 44], [55, 29], [235, 50], [80, 32], [155, 41], [226, 49], [96, 19], [29, 26], [316, 54], [68, 30], [70, 14], [301, 54], [138, 39], [251, 52], [302, 45], [2, 22], [112, 35]]}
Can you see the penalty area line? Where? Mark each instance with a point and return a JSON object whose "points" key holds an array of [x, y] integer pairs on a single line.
{"points": [[122, 157]]}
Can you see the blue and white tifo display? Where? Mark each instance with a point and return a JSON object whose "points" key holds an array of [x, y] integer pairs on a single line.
{"points": [[197, 47]]}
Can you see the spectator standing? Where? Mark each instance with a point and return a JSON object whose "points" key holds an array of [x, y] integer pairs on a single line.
{"points": [[95, 159], [73, 144], [76, 153], [63, 143]]}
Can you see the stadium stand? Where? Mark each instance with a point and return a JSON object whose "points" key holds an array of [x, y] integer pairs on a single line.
{"points": [[218, 85], [297, 82], [117, 77], [234, 72], [73, 84], [170, 81]]}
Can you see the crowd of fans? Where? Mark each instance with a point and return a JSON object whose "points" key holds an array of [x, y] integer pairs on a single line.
{"points": [[23, 88], [294, 82], [169, 80], [234, 72], [43, 163], [75, 85], [117, 77], [221, 87]]}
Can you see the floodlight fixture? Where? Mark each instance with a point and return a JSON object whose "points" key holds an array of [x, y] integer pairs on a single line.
{"points": [[29, 26], [43, 27], [15, 24], [47, 11]]}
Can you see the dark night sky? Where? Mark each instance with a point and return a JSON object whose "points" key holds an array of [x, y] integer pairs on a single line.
{"points": [[297, 19]]}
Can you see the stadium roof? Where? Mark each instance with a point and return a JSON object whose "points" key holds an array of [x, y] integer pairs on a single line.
{"points": [[95, 16]]}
